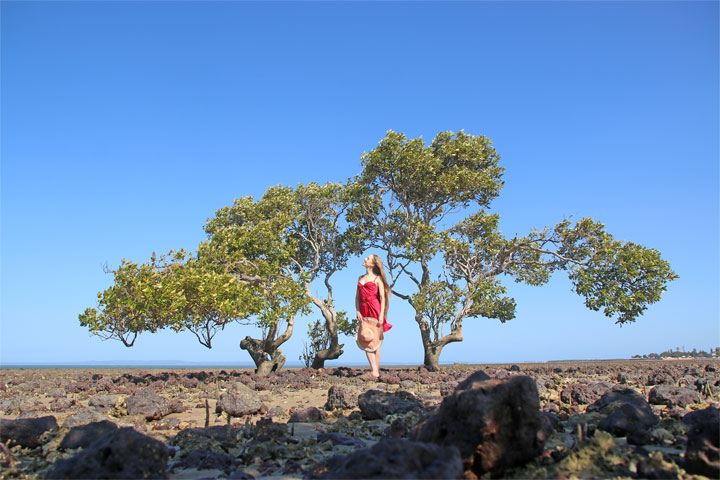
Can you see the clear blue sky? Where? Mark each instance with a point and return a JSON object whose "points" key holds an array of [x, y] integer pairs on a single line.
{"points": [[125, 125]]}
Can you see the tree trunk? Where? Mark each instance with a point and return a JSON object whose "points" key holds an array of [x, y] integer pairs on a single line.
{"points": [[335, 349], [431, 360], [431, 348], [266, 352], [264, 362]]}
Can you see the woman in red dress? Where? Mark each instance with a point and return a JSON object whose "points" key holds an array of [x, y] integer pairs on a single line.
{"points": [[371, 304]]}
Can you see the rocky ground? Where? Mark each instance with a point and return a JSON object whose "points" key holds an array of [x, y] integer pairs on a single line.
{"points": [[621, 419]]}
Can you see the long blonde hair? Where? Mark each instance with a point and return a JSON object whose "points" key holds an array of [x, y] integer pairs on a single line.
{"points": [[379, 271]]}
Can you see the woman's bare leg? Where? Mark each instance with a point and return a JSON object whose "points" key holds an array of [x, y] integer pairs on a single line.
{"points": [[372, 358], [377, 361]]}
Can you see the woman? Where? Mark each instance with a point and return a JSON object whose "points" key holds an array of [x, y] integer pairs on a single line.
{"points": [[371, 305]]}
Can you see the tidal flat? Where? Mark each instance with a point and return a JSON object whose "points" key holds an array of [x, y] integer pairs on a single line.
{"points": [[585, 419]]}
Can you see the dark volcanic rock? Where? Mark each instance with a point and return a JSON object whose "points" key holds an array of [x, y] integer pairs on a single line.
{"points": [[307, 415], [240, 474], [494, 423], [26, 431], [375, 404], [397, 458], [124, 454], [240, 401], [584, 393], [340, 397], [618, 396], [85, 435], [472, 381], [671, 396], [703, 448], [339, 439], [628, 420], [626, 413], [550, 423], [147, 403], [83, 417], [699, 417], [207, 460]]}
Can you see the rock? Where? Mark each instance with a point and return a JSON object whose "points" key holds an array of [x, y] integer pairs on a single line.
{"points": [[22, 404], [262, 384], [702, 455], [239, 402], [494, 423], [83, 417], [105, 402], [61, 404], [447, 388], [397, 458], [240, 474], [407, 384], [175, 405], [628, 420], [397, 429], [616, 397], [584, 393], [550, 423], [146, 403], [307, 415], [340, 397], [207, 460], [57, 393], [26, 431], [168, 423], [276, 412], [661, 379], [626, 414], [699, 417], [473, 380], [123, 454], [514, 368], [85, 435], [671, 396], [389, 378], [678, 413], [339, 439], [375, 404]]}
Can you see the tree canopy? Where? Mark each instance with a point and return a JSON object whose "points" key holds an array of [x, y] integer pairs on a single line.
{"points": [[427, 208]]}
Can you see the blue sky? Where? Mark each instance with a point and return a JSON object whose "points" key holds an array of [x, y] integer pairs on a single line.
{"points": [[125, 125]]}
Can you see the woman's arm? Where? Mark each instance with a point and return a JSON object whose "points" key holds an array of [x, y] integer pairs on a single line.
{"points": [[381, 294], [357, 305]]}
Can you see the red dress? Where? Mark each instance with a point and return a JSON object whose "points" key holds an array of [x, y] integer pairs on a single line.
{"points": [[370, 303]]}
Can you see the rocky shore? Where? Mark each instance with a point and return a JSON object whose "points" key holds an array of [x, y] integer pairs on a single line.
{"points": [[619, 419]]}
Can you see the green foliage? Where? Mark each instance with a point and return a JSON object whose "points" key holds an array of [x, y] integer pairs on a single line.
{"points": [[411, 189], [172, 291], [424, 184], [319, 340], [262, 256], [677, 353]]}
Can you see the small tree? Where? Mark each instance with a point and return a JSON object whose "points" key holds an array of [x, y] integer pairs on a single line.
{"points": [[300, 230], [283, 300], [319, 340], [412, 193], [252, 239]]}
